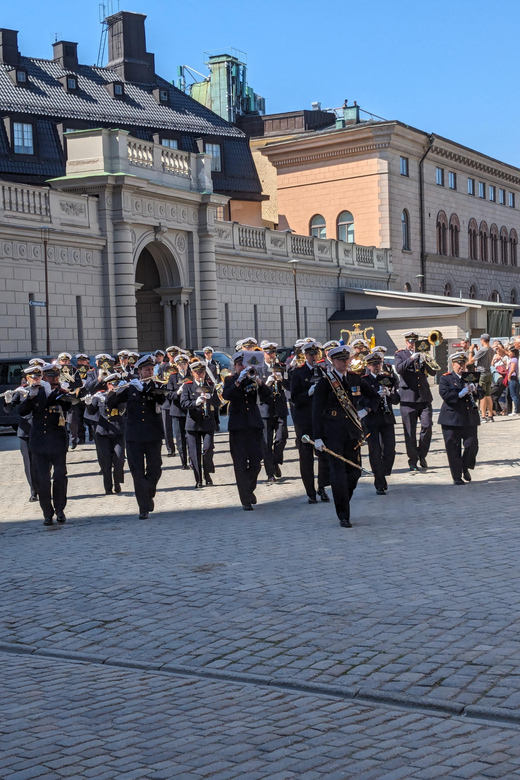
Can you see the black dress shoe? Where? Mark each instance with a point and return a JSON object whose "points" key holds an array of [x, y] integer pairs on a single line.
{"points": [[60, 517], [209, 481], [33, 498], [185, 467], [47, 521], [73, 446], [423, 463], [413, 468], [312, 500], [108, 492], [170, 455], [247, 507], [323, 494], [466, 475], [271, 480], [458, 482], [345, 523], [152, 505], [117, 488], [253, 499], [144, 516], [380, 492], [277, 471], [199, 485]]}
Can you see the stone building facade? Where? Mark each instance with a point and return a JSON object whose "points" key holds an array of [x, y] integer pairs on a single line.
{"points": [[450, 214]]}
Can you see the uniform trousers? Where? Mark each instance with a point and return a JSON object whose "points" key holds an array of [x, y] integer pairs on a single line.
{"points": [[167, 420], [179, 430], [76, 423], [111, 452], [27, 464], [306, 453], [411, 414], [275, 439], [201, 448], [381, 449], [246, 451], [43, 464], [144, 462], [343, 478], [456, 437]]}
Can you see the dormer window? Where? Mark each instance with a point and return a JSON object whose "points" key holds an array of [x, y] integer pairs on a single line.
{"points": [[163, 95], [119, 90], [19, 77], [171, 143], [23, 138], [216, 157], [72, 82], [116, 89]]}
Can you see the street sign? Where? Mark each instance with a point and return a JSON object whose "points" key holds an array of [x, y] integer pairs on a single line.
{"points": [[37, 303]]}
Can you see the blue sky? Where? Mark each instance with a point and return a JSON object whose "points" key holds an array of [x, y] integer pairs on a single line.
{"points": [[444, 67]]}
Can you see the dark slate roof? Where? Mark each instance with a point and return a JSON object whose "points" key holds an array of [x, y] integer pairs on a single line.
{"points": [[47, 97]]}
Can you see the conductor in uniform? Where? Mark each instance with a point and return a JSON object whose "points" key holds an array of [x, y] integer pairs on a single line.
{"points": [[242, 390], [416, 401], [144, 432], [337, 425], [459, 418], [48, 442]]}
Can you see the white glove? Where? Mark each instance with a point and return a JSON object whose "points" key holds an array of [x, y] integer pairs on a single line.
{"points": [[206, 396], [64, 385], [362, 413], [311, 390], [100, 396], [319, 444], [422, 357], [383, 391], [200, 400], [415, 355], [471, 387], [8, 397], [88, 399], [243, 374], [180, 389], [101, 376], [137, 383], [463, 392], [270, 381], [34, 391]]}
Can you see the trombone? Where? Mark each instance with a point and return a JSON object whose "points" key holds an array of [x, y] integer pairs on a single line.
{"points": [[434, 339]]}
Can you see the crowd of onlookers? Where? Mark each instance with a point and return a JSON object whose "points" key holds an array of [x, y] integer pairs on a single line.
{"points": [[497, 363]]}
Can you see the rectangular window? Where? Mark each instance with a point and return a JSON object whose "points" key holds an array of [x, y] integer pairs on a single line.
{"points": [[282, 326], [481, 189], [502, 197], [471, 186], [452, 180], [492, 193], [171, 143], [511, 200], [118, 90], [71, 82], [23, 138], [216, 158], [226, 320], [439, 176], [403, 168]]}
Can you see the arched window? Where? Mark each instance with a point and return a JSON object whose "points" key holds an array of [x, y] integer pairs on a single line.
{"points": [[405, 229], [484, 234], [473, 292], [447, 290], [407, 287], [473, 239], [442, 232], [493, 237], [454, 235], [504, 241], [346, 227], [513, 296], [495, 296], [513, 245], [318, 227]]}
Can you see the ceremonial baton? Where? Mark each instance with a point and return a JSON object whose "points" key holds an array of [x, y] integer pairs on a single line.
{"points": [[307, 440]]}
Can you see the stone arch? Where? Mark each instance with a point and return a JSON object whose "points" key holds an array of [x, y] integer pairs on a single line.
{"points": [[164, 253]]}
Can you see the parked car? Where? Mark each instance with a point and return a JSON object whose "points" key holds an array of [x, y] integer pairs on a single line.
{"points": [[11, 375]]}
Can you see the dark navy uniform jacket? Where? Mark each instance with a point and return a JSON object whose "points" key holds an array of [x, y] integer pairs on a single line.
{"points": [[275, 405], [329, 420], [195, 420], [166, 370], [243, 408], [24, 426], [302, 379], [174, 400], [47, 435], [376, 405], [413, 385], [457, 411], [110, 422], [143, 421]]}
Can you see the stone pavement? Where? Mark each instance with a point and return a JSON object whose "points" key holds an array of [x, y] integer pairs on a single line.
{"points": [[210, 642]]}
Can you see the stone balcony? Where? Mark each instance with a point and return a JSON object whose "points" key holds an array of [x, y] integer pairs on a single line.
{"points": [[234, 238], [103, 151], [43, 207]]}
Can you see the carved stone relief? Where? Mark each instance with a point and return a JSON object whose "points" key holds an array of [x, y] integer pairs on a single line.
{"points": [[73, 209]]}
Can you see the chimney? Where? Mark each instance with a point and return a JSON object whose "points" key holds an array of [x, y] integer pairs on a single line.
{"points": [[127, 53], [65, 54], [9, 54]]}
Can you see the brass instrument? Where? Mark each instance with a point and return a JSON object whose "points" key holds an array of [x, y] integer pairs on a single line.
{"points": [[21, 389], [423, 345], [359, 333], [471, 377], [358, 366], [277, 372]]}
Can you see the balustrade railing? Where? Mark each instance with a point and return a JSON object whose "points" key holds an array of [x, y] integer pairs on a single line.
{"points": [[140, 153], [251, 237], [302, 245], [175, 162], [25, 200]]}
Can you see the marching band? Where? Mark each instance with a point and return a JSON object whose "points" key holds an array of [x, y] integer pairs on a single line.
{"points": [[340, 397]]}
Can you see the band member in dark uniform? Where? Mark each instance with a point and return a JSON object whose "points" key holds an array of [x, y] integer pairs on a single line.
{"points": [[166, 369], [160, 357], [274, 411], [176, 412], [110, 436], [211, 363], [76, 416], [144, 432], [380, 421], [121, 365], [416, 401], [460, 418], [12, 399], [245, 427], [48, 442], [200, 402], [337, 425], [303, 382]]}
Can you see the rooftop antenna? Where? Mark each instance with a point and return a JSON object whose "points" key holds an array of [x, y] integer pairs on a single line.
{"points": [[106, 9]]}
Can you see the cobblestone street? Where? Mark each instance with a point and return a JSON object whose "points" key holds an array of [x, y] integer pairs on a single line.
{"points": [[211, 642]]}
